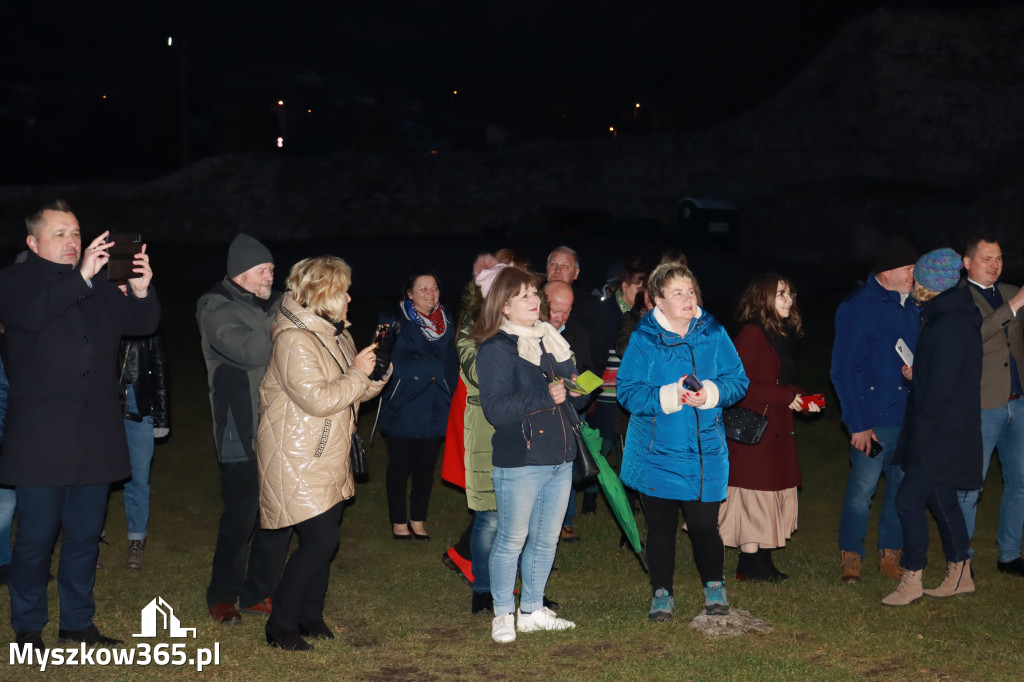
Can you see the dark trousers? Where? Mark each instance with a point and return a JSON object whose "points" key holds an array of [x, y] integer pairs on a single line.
{"points": [[407, 457], [662, 524], [464, 547], [914, 497], [303, 589], [239, 522], [76, 512]]}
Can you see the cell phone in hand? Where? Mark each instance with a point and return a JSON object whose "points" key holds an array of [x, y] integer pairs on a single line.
{"points": [[876, 449], [122, 253], [691, 382], [815, 398], [381, 334], [905, 353]]}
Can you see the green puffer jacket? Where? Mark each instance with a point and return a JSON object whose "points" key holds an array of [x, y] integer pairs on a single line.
{"points": [[478, 431]]}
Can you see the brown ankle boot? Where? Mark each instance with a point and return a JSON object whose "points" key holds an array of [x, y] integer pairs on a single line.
{"points": [[958, 580], [907, 591], [849, 567], [889, 563]]}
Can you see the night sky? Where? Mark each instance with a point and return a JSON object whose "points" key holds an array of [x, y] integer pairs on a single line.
{"points": [[92, 91]]}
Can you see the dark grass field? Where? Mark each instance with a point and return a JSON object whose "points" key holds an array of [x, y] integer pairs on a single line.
{"points": [[400, 615]]}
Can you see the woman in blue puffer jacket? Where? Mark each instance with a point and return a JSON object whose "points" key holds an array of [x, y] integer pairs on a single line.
{"points": [[414, 406], [675, 451]]}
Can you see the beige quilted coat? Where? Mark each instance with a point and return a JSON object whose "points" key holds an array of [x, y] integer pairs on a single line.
{"points": [[305, 427]]}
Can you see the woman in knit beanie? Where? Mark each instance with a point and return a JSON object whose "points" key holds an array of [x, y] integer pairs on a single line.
{"points": [[940, 448]]}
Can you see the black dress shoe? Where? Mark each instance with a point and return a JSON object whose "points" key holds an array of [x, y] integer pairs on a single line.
{"points": [[317, 629], [89, 635], [401, 536], [1015, 567], [286, 639], [33, 637]]}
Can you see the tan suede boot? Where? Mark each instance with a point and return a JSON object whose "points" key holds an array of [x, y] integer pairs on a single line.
{"points": [[889, 563], [849, 567], [958, 580], [907, 591]]}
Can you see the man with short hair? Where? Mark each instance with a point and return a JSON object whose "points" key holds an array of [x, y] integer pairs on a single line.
{"points": [[587, 320], [873, 384], [1002, 411], [234, 320], [64, 440]]}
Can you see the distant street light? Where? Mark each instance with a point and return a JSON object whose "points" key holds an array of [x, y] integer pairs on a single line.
{"points": [[280, 102], [170, 41], [613, 131], [280, 142]]}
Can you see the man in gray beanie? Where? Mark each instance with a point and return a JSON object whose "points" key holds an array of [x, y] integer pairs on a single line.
{"points": [[234, 321]]}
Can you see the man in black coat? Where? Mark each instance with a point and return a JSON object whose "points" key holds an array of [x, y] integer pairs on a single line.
{"points": [[64, 438]]}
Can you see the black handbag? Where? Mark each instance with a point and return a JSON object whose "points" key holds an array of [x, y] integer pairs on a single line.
{"points": [[743, 425], [584, 468], [360, 465]]}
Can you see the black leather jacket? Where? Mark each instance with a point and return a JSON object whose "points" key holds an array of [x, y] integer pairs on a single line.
{"points": [[142, 364]]}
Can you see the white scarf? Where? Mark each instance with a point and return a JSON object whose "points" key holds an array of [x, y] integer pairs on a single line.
{"points": [[530, 339]]}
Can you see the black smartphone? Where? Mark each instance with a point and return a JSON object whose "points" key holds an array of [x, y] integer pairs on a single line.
{"points": [[692, 382], [380, 334], [122, 253], [876, 448]]}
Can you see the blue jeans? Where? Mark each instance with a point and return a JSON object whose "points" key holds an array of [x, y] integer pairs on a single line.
{"points": [[531, 505], [140, 452], [860, 488], [915, 497], [8, 503], [485, 529], [1003, 428]]}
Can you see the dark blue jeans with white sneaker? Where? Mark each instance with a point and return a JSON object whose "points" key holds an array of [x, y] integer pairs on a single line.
{"points": [[531, 506]]}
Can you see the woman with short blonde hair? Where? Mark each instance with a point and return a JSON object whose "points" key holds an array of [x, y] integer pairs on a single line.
{"points": [[309, 399]]}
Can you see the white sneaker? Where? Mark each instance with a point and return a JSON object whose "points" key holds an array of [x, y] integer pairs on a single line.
{"points": [[503, 628], [542, 619]]}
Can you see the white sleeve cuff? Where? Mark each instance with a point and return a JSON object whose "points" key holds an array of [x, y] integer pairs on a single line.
{"points": [[713, 395], [669, 397]]}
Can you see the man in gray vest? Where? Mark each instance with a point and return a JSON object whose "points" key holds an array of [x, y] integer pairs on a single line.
{"points": [[234, 320], [1002, 410]]}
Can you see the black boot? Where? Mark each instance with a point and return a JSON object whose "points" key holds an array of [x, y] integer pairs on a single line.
{"points": [[747, 567], [482, 601], [289, 640], [774, 574]]}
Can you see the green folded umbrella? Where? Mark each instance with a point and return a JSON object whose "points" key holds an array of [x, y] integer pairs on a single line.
{"points": [[614, 492]]}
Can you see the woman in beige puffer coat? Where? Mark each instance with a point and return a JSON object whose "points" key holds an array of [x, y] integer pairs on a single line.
{"points": [[308, 401]]}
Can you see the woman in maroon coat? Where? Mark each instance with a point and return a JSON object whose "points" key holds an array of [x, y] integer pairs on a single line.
{"points": [[760, 511]]}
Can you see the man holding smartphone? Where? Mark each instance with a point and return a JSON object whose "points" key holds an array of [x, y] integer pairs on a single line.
{"points": [[64, 437], [873, 384]]}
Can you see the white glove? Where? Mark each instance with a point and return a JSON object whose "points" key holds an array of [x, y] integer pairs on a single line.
{"points": [[161, 432]]}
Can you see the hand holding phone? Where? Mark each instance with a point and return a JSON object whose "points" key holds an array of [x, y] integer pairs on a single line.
{"points": [[813, 399], [692, 383]]}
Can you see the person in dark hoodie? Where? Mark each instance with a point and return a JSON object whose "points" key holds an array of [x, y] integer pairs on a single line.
{"points": [[940, 451]]}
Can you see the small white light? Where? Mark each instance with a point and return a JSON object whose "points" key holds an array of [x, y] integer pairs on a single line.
{"points": [[170, 41], [280, 102], [280, 142]]}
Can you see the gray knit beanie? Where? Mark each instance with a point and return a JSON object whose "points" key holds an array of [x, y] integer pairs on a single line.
{"points": [[244, 253]]}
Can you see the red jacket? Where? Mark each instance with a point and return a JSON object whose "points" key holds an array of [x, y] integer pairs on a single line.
{"points": [[771, 464]]}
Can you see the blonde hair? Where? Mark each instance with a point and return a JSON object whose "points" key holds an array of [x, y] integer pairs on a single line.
{"points": [[320, 285], [665, 273], [922, 295]]}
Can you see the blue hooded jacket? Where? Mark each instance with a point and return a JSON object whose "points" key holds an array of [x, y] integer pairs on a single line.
{"points": [[671, 452], [866, 369]]}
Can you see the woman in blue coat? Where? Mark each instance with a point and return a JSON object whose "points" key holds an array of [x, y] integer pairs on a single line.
{"points": [[675, 453], [414, 406]]}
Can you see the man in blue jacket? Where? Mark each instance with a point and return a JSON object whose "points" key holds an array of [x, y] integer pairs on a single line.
{"points": [[873, 384]]}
